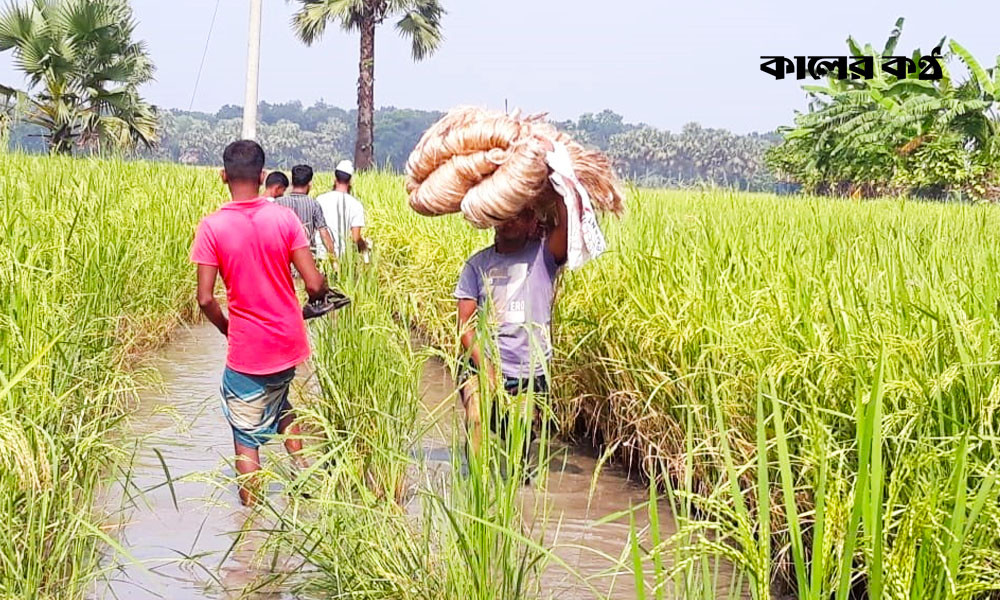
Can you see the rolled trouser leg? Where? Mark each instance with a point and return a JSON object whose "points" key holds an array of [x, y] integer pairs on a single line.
{"points": [[253, 404]]}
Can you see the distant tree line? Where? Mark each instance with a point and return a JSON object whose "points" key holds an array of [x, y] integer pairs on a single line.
{"points": [[321, 135], [694, 156]]}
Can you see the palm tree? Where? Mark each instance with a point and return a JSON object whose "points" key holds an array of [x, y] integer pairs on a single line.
{"points": [[83, 71], [420, 21]]}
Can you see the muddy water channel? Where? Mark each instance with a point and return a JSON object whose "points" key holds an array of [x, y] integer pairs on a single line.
{"points": [[182, 537], [181, 549]]}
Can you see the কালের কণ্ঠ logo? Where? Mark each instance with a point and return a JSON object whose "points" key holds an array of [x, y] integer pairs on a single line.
{"points": [[927, 67]]}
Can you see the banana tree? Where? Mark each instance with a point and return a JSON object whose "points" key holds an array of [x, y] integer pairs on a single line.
{"points": [[870, 132]]}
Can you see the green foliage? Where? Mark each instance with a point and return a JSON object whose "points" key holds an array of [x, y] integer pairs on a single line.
{"points": [[693, 156], [397, 131], [940, 163], [321, 135], [897, 135], [93, 267], [83, 70], [829, 362], [596, 129], [419, 21], [190, 140]]}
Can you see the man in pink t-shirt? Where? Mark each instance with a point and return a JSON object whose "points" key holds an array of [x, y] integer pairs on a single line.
{"points": [[252, 243]]}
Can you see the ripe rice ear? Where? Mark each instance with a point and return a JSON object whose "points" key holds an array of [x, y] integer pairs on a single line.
{"points": [[20, 458]]}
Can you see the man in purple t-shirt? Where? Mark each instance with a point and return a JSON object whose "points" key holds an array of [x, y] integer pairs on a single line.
{"points": [[514, 282]]}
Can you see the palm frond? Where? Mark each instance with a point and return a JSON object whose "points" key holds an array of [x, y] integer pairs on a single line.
{"points": [[313, 16], [422, 25], [17, 24]]}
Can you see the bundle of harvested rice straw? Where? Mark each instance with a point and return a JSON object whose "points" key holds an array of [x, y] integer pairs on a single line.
{"points": [[490, 166]]}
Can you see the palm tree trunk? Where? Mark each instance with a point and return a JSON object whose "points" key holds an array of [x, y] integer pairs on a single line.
{"points": [[364, 146], [60, 141]]}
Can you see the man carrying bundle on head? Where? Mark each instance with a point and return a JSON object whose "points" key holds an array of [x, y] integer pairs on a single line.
{"points": [[515, 280], [511, 174]]}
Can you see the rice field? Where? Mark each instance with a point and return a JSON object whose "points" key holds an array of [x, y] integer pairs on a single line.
{"points": [[93, 266], [810, 383]]}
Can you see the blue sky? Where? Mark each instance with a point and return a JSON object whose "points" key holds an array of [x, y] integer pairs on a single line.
{"points": [[659, 62]]}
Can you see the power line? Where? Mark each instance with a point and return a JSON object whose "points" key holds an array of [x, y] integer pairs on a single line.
{"points": [[204, 54]]}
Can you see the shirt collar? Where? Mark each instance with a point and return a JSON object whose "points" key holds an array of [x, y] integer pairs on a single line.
{"points": [[245, 203]]}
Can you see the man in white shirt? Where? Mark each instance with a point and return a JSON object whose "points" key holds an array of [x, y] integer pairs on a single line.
{"points": [[344, 214]]}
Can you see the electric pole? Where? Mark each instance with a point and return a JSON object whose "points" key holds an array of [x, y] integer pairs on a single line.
{"points": [[253, 71]]}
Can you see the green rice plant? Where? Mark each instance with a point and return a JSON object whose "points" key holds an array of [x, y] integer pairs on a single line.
{"points": [[93, 265], [495, 552], [810, 382], [368, 378], [375, 524], [921, 560]]}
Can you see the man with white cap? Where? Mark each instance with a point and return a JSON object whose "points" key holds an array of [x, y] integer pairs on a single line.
{"points": [[343, 212]]}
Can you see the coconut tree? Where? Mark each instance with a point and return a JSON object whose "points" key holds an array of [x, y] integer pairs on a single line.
{"points": [[418, 20], [83, 70]]}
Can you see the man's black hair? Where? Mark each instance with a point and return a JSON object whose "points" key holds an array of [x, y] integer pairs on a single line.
{"points": [[276, 178], [302, 175], [243, 161], [342, 177]]}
